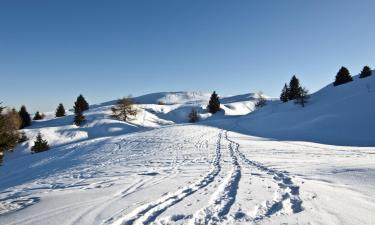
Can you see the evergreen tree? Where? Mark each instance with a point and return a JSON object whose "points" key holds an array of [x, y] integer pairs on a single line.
{"points": [[37, 116], [79, 118], [366, 72], [342, 77], [193, 116], [214, 103], [40, 145], [60, 111], [81, 103], [284, 94], [303, 96], [25, 117], [124, 110], [294, 88], [261, 101]]}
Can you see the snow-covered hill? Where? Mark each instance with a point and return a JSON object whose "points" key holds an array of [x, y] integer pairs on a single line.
{"points": [[159, 170], [342, 115]]}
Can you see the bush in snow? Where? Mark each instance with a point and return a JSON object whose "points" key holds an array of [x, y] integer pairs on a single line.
{"points": [[193, 116], [214, 103], [366, 72], [81, 104], [10, 122], [40, 145], [284, 96], [25, 117], [60, 111], [303, 96], [38, 116], [124, 110], [342, 77], [261, 101]]}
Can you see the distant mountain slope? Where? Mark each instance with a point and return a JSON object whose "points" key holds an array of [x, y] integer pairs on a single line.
{"points": [[343, 115]]}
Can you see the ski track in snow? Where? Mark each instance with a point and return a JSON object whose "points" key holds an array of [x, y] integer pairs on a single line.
{"points": [[288, 191], [224, 197], [147, 213]]}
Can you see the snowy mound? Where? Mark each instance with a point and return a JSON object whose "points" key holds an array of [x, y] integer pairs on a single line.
{"points": [[341, 115], [170, 98]]}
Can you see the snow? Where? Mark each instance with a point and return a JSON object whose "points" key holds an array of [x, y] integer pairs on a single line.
{"points": [[281, 164]]}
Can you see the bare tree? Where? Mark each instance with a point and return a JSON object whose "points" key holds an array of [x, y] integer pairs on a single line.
{"points": [[193, 116], [261, 100], [124, 110]]}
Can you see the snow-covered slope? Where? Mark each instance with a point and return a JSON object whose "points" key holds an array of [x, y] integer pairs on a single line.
{"points": [[341, 115]]}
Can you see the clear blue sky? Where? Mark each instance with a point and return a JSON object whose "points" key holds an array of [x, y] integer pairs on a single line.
{"points": [[53, 50]]}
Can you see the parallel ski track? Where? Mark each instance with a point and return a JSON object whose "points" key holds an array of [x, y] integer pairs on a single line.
{"points": [[147, 213]]}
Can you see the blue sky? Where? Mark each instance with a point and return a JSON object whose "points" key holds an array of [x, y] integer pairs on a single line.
{"points": [[51, 51]]}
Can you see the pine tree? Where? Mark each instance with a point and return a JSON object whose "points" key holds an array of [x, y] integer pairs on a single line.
{"points": [[25, 117], [60, 111], [342, 77], [303, 96], [366, 72], [79, 118], [193, 116], [37, 116], [284, 94], [124, 110], [294, 88], [261, 101], [40, 145], [81, 103], [214, 103]]}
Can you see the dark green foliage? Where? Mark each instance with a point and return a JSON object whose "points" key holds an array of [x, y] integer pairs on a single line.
{"points": [[261, 101], [60, 111], [214, 103], [79, 118], [294, 88], [193, 116], [25, 117], [303, 96], [38, 116], [366, 72], [342, 77], [81, 104], [124, 110], [40, 145], [284, 97]]}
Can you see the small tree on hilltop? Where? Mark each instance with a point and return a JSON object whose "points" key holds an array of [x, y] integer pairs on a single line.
{"points": [[124, 110], [214, 103], [303, 96], [193, 116], [81, 103], [261, 101], [284, 94], [366, 72], [25, 117], [294, 88], [60, 111], [342, 77], [40, 145], [38, 116]]}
